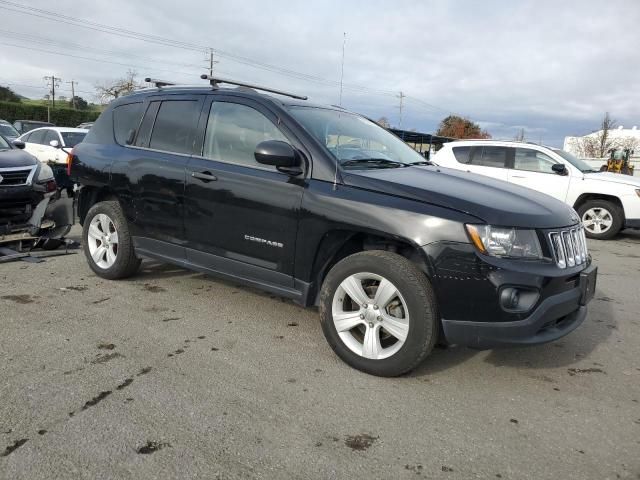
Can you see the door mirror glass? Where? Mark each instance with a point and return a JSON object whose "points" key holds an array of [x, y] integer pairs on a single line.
{"points": [[54, 143], [277, 153], [559, 168]]}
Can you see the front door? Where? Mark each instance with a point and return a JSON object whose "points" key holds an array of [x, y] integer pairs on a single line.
{"points": [[241, 217], [532, 169]]}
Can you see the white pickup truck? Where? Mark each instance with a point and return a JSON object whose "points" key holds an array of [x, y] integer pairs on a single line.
{"points": [[606, 202]]}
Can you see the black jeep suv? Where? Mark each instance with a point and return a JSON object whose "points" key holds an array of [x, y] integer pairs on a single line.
{"points": [[327, 208]]}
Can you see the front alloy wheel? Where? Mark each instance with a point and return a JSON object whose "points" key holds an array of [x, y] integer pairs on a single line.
{"points": [[102, 240], [597, 221], [370, 315]]}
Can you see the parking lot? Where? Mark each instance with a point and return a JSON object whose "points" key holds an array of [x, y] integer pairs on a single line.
{"points": [[173, 374]]}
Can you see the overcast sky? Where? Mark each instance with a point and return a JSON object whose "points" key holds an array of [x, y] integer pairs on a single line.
{"points": [[550, 67]]}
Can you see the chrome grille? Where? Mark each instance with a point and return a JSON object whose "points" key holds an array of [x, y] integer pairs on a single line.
{"points": [[16, 176], [569, 247]]}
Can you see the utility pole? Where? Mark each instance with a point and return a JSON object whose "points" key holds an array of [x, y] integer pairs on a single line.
{"points": [[52, 83], [73, 93], [344, 43], [401, 97], [212, 62]]}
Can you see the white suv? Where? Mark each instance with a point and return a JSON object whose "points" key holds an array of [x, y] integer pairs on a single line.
{"points": [[606, 202]]}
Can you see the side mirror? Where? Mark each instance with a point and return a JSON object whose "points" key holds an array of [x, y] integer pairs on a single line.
{"points": [[559, 168], [279, 154], [55, 144], [18, 144]]}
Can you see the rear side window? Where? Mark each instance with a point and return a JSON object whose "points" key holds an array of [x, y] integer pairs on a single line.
{"points": [[126, 119], [173, 129], [38, 136], [462, 154], [71, 139], [491, 157]]}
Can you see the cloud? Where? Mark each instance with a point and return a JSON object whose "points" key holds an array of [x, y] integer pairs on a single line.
{"points": [[552, 68]]}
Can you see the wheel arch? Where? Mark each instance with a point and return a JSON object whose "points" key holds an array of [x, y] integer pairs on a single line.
{"points": [[89, 196], [585, 197]]}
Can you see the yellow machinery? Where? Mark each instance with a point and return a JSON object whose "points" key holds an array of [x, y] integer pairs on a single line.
{"points": [[619, 161]]}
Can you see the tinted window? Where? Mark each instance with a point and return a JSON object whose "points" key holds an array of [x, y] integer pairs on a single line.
{"points": [[462, 154], [144, 133], [533, 161], [8, 130], [173, 130], [71, 139], [51, 136], [126, 119], [490, 157], [38, 136], [234, 131]]}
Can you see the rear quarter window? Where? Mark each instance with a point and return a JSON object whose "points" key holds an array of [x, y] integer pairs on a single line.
{"points": [[126, 119], [462, 154]]}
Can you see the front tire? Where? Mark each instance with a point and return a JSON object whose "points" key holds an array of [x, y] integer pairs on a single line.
{"points": [[379, 313], [602, 220], [107, 243]]}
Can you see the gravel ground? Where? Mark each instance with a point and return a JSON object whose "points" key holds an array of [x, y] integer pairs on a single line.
{"points": [[173, 374]]}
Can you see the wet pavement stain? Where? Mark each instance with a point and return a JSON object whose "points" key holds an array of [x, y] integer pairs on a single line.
{"points": [[106, 346], [152, 447], [42, 431], [202, 337], [576, 371], [144, 371], [96, 302], [125, 384], [360, 442], [417, 469], [214, 349], [107, 358], [171, 319], [178, 351], [513, 420], [605, 299], [69, 372], [292, 324], [12, 448], [79, 288], [153, 288], [446, 469], [96, 400], [22, 299]]}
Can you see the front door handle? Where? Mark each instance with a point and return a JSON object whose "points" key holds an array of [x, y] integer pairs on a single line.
{"points": [[204, 176], [517, 176]]}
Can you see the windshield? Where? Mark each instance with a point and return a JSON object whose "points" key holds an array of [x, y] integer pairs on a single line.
{"points": [[8, 130], [71, 139], [357, 143], [3, 144], [581, 165]]}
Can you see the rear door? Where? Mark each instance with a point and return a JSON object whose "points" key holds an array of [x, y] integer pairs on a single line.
{"points": [[489, 160], [241, 217], [532, 169], [34, 143]]}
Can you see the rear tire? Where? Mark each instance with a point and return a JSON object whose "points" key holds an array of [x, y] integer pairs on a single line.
{"points": [[602, 219], [107, 243], [387, 339]]}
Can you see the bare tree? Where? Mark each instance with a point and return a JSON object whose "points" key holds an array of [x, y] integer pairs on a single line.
{"points": [[109, 90], [520, 136], [598, 144], [604, 141], [383, 122]]}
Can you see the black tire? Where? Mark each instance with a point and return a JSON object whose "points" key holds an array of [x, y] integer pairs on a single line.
{"points": [[616, 215], [126, 263], [421, 304]]}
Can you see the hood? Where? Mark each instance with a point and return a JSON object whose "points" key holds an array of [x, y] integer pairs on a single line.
{"points": [[614, 178], [16, 158], [492, 201]]}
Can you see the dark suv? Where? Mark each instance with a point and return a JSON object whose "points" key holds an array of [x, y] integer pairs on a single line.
{"points": [[327, 208]]}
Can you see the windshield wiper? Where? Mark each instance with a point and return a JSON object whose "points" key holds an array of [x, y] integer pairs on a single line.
{"points": [[373, 162], [424, 162]]}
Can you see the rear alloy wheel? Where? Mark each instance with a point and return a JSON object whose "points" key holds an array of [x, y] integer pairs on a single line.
{"points": [[379, 313], [107, 243], [601, 219]]}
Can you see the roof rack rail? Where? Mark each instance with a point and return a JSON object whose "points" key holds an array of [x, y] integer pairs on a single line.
{"points": [[215, 81], [158, 83]]}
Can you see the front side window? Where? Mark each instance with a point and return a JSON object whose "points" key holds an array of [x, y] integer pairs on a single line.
{"points": [[532, 161], [8, 131], [173, 129], [50, 137], [234, 131], [71, 139], [126, 119]]}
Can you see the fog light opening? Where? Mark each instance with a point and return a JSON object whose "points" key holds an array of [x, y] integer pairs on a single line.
{"points": [[514, 299]]}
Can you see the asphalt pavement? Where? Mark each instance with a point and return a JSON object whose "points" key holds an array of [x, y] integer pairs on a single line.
{"points": [[173, 374]]}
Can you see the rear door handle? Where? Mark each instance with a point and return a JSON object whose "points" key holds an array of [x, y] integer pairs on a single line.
{"points": [[517, 176], [204, 176]]}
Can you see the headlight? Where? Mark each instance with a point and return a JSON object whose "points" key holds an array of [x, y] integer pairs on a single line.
{"points": [[44, 173], [505, 242]]}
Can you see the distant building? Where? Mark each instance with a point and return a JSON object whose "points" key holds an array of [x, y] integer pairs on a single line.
{"points": [[620, 137]]}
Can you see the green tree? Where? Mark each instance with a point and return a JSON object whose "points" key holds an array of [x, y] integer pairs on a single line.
{"points": [[458, 127], [8, 95], [78, 103]]}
